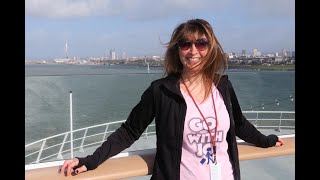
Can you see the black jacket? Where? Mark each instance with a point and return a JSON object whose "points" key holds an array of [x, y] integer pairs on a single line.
{"points": [[164, 102]]}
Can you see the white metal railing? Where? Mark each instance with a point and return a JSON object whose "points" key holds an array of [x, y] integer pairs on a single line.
{"points": [[123, 154], [34, 154], [272, 122]]}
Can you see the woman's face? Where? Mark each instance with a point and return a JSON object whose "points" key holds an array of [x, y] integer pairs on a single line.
{"points": [[192, 50]]}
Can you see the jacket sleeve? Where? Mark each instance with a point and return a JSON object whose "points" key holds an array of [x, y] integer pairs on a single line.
{"points": [[244, 129], [139, 118]]}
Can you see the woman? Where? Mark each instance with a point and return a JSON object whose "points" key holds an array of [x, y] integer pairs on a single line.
{"points": [[196, 112]]}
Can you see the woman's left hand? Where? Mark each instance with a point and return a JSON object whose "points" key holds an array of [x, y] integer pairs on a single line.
{"points": [[279, 142]]}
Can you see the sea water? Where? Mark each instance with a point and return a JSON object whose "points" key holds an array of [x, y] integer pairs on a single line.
{"points": [[102, 93]]}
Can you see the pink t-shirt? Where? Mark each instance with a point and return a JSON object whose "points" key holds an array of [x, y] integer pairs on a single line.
{"points": [[197, 147]]}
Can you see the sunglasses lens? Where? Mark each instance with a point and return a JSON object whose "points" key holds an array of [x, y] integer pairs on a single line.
{"points": [[184, 45], [201, 44]]}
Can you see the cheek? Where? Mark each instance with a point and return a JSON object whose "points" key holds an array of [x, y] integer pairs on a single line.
{"points": [[203, 53], [182, 55]]}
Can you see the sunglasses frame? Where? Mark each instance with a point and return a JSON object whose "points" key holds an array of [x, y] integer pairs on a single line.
{"points": [[201, 44]]}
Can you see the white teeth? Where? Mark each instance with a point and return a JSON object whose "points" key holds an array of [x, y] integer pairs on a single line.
{"points": [[193, 59]]}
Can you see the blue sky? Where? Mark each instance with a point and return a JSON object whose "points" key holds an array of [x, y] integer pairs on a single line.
{"points": [[140, 27]]}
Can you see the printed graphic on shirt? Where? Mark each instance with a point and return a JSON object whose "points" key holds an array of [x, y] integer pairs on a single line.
{"points": [[200, 138]]}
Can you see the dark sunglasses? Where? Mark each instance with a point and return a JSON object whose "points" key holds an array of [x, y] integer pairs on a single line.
{"points": [[201, 44]]}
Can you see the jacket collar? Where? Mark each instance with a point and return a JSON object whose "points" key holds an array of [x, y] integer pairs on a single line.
{"points": [[172, 83], [222, 86]]}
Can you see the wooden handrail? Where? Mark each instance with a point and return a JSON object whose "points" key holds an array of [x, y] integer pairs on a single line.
{"points": [[141, 165]]}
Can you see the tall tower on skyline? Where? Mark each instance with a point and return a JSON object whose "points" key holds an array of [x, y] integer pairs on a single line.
{"points": [[66, 49]]}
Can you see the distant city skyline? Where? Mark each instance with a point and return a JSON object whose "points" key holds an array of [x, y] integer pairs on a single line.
{"points": [[142, 27]]}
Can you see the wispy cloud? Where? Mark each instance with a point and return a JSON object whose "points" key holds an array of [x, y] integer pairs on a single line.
{"points": [[94, 26], [68, 8], [145, 9]]}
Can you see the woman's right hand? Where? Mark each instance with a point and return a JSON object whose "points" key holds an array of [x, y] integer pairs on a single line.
{"points": [[68, 167]]}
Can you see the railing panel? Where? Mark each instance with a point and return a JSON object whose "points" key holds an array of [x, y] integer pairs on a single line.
{"points": [[93, 135], [142, 164]]}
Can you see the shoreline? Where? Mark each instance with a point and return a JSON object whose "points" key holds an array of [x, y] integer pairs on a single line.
{"points": [[290, 67], [262, 67]]}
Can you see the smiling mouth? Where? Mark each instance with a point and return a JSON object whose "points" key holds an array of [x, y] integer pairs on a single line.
{"points": [[193, 59]]}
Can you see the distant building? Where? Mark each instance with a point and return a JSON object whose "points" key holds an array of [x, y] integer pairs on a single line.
{"points": [[270, 55], [278, 59], [243, 53], [291, 54], [113, 54], [284, 53], [156, 58], [123, 55], [231, 55], [61, 60], [256, 53]]}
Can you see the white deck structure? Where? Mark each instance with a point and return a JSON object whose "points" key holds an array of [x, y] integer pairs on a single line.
{"points": [[85, 140]]}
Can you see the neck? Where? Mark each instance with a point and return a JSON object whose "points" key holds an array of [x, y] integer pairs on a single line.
{"points": [[191, 77], [194, 84]]}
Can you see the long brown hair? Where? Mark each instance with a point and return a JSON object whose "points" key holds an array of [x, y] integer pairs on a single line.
{"points": [[213, 64]]}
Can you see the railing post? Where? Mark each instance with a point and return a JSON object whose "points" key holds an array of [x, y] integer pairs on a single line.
{"points": [[256, 122], [279, 128], [40, 151], [105, 133], [146, 133], [61, 147], [82, 141], [71, 131]]}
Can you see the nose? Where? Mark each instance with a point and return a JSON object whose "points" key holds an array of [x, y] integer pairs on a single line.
{"points": [[193, 49]]}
